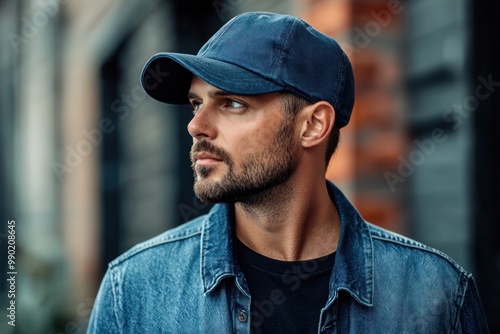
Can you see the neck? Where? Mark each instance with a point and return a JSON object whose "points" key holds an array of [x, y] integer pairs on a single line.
{"points": [[292, 222]]}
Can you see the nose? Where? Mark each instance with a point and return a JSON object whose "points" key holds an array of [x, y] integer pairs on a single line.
{"points": [[201, 125]]}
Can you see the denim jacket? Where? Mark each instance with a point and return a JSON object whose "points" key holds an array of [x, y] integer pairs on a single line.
{"points": [[187, 280]]}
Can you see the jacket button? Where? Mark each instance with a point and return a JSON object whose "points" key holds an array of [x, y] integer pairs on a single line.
{"points": [[242, 316]]}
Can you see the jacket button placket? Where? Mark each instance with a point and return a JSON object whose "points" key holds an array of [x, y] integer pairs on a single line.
{"points": [[241, 311], [242, 321]]}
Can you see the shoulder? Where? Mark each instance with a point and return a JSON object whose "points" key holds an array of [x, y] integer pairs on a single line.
{"points": [[408, 251], [435, 288], [184, 237]]}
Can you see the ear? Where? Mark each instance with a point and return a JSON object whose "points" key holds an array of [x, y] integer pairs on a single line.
{"points": [[318, 124]]}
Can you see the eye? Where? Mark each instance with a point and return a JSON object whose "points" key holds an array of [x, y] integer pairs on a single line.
{"points": [[196, 105], [234, 104]]}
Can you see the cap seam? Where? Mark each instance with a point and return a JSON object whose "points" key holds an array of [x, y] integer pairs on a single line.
{"points": [[341, 84], [270, 78], [280, 61]]}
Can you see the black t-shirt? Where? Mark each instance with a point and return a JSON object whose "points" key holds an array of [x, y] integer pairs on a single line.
{"points": [[287, 297]]}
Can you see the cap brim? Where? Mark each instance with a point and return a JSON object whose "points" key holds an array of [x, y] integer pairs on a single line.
{"points": [[167, 77]]}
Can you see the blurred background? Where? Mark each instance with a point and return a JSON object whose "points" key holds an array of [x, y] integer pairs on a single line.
{"points": [[90, 166]]}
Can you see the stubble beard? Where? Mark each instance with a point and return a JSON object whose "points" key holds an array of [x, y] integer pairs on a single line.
{"points": [[259, 174]]}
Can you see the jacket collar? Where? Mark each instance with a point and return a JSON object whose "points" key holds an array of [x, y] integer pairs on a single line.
{"points": [[218, 258], [354, 262]]}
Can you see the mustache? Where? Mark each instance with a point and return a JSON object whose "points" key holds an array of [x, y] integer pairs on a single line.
{"points": [[206, 146]]}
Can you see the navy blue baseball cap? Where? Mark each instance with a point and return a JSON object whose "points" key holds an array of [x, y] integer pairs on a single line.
{"points": [[258, 53]]}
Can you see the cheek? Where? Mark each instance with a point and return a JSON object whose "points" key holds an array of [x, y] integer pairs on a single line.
{"points": [[250, 145], [257, 137]]}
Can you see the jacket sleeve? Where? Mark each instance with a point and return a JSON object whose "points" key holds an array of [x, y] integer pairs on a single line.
{"points": [[471, 316], [104, 317]]}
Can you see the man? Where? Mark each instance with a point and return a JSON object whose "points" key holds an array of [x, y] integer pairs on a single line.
{"points": [[283, 251]]}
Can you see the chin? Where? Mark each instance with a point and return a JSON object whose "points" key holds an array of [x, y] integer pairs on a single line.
{"points": [[212, 191], [205, 189]]}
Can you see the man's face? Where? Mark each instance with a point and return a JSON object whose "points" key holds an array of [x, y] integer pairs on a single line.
{"points": [[243, 146]]}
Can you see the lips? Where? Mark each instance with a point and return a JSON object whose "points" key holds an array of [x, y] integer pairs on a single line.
{"points": [[204, 158]]}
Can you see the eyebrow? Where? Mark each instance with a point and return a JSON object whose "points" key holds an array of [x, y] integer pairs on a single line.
{"points": [[212, 93]]}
